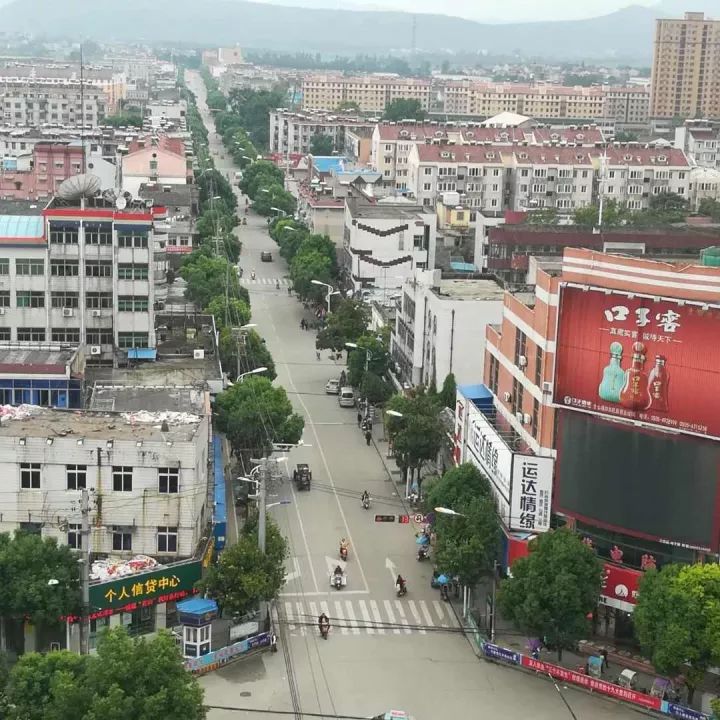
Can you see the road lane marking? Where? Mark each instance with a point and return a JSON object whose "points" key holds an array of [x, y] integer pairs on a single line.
{"points": [[366, 617], [415, 614], [440, 612], [338, 614], [300, 612], [391, 616], [401, 613], [325, 593], [426, 614], [289, 613], [351, 617], [304, 537], [377, 616]]}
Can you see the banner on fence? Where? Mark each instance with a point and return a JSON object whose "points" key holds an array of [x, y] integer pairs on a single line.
{"points": [[218, 658], [495, 652]]}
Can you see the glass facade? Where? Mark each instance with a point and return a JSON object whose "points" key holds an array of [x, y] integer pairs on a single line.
{"points": [[47, 393]]}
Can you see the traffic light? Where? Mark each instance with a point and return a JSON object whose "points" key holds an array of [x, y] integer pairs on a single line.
{"points": [[384, 518]]}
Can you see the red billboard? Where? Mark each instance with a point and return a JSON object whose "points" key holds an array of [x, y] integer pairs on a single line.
{"points": [[620, 586], [652, 360]]}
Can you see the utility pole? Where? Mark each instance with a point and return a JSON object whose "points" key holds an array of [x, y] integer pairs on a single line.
{"points": [[494, 598], [85, 574], [262, 508]]}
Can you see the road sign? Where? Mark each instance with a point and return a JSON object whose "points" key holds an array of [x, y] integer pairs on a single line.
{"points": [[419, 518], [384, 518], [404, 519]]}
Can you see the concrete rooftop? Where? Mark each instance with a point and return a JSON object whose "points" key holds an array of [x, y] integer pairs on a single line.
{"points": [[130, 398], [470, 290]]}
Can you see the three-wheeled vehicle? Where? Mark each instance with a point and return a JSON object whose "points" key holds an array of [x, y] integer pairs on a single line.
{"points": [[627, 679], [302, 476]]}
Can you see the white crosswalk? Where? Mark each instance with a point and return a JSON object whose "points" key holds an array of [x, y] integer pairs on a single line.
{"points": [[247, 280], [369, 617]]}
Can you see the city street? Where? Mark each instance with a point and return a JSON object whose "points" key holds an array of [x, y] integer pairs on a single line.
{"points": [[400, 653]]}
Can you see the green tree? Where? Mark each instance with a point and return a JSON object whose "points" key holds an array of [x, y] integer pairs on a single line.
{"points": [[345, 324], [309, 266], [127, 678], [207, 277], [418, 435], [348, 106], [254, 415], [216, 100], [273, 198], [711, 208], [243, 576], [321, 145], [236, 312], [543, 216], [404, 109], [125, 119], [372, 354], [253, 108], [553, 589], [457, 487], [677, 620], [448, 392], [212, 183], [260, 174], [467, 545], [253, 353], [374, 389]]}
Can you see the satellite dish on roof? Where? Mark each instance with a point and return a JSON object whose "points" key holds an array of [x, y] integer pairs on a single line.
{"points": [[121, 203], [79, 186]]}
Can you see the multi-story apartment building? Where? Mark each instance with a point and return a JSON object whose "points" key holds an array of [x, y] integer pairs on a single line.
{"points": [[495, 178], [371, 93], [80, 273], [686, 68], [392, 142], [628, 107], [292, 132], [700, 141], [384, 243], [439, 326], [40, 103]]}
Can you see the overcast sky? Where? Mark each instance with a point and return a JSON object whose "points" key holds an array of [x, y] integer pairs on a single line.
{"points": [[483, 10]]}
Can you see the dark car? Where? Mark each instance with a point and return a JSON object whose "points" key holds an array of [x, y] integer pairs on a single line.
{"points": [[266, 256]]}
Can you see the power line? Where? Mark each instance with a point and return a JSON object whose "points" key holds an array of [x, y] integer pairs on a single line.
{"points": [[287, 712]]}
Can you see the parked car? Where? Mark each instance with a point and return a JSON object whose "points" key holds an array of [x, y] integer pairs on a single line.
{"points": [[332, 387], [346, 397], [265, 256]]}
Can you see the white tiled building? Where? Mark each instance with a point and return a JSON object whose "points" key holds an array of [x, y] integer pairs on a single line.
{"points": [[700, 140]]}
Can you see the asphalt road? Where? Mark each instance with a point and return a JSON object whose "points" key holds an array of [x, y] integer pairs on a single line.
{"points": [[383, 652]]}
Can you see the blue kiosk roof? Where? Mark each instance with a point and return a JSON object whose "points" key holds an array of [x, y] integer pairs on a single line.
{"points": [[197, 606]]}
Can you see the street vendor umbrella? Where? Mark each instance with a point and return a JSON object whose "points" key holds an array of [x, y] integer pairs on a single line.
{"points": [[443, 579]]}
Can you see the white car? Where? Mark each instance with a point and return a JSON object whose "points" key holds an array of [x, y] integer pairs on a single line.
{"points": [[332, 387]]}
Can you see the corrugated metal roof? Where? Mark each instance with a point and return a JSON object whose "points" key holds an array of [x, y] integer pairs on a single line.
{"points": [[21, 226]]}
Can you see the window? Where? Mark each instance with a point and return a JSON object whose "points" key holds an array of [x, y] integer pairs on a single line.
{"points": [[130, 303], [427, 171], [30, 476], [535, 417], [538, 188], [64, 299], [168, 480], [520, 345], [517, 396], [76, 476], [538, 365], [4, 298], [63, 236], [74, 538], [29, 267], [5, 334], [98, 268], [64, 268], [28, 299], [128, 271], [98, 300], [122, 478], [29, 334], [494, 369], [167, 539], [132, 340], [121, 538], [427, 186], [99, 337], [98, 236], [65, 335], [4, 266], [132, 241]]}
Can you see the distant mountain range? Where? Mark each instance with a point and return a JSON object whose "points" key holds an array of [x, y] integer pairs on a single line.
{"points": [[626, 34]]}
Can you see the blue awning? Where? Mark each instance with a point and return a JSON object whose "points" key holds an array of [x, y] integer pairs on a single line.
{"points": [[197, 606], [142, 354], [463, 267]]}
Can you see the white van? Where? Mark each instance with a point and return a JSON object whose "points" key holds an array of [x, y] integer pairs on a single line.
{"points": [[346, 397]]}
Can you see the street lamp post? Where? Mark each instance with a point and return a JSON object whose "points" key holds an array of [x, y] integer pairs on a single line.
{"points": [[251, 372], [330, 291], [241, 334], [54, 582], [393, 413], [355, 346]]}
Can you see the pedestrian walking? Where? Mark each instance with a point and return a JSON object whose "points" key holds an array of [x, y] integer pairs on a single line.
{"points": [[317, 353], [605, 665], [368, 437], [359, 418]]}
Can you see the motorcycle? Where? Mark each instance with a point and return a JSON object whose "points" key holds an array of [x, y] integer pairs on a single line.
{"points": [[366, 502], [324, 630], [445, 593], [401, 589], [244, 221], [338, 581], [343, 553], [422, 553], [252, 274]]}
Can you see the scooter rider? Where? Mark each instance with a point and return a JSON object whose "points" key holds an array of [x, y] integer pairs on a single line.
{"points": [[338, 571], [324, 624], [365, 498], [344, 546], [400, 584]]}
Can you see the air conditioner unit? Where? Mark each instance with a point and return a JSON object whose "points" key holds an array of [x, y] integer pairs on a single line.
{"points": [[526, 419], [522, 361], [2, 310], [67, 312], [519, 416], [95, 350], [96, 313], [506, 396], [54, 647], [199, 354]]}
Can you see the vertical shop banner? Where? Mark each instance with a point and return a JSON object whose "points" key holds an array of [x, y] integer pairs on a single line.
{"points": [[620, 587], [531, 493], [459, 439], [652, 360]]}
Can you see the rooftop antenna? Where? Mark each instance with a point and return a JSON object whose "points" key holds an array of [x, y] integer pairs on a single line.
{"points": [[82, 110]]}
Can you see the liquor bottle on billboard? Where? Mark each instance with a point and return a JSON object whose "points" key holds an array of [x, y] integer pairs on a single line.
{"points": [[613, 379], [634, 394], [658, 383]]}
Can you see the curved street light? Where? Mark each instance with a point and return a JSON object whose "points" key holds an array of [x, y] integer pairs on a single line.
{"points": [[251, 372]]}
